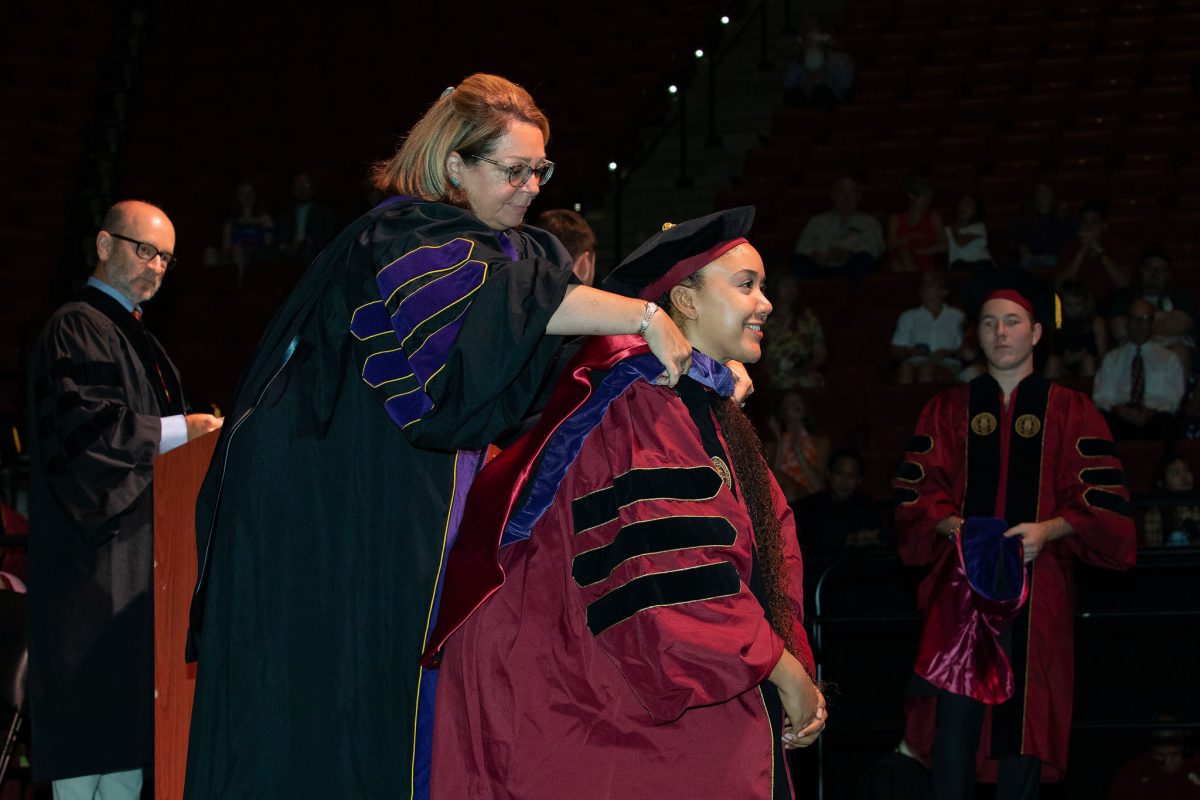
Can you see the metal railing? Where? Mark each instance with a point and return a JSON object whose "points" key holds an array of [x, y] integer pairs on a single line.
{"points": [[1162, 558], [642, 139]]}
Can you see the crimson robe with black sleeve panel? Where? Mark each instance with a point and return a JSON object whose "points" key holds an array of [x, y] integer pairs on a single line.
{"points": [[626, 653], [416, 337], [1051, 444], [99, 384]]}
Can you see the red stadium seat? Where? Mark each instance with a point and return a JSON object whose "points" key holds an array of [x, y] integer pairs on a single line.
{"points": [[1152, 139], [890, 154], [879, 468], [1007, 187], [892, 415], [1072, 70], [1182, 30], [1030, 147], [997, 77], [957, 46], [1104, 103], [961, 150], [1130, 33], [1016, 38], [1140, 460], [1156, 99], [978, 116], [954, 178], [1088, 144], [1050, 107], [1073, 34]]}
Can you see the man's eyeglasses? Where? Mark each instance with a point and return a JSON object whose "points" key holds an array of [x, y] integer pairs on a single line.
{"points": [[147, 251], [519, 174]]}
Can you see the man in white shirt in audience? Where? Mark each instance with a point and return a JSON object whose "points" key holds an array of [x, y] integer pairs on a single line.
{"points": [[1140, 384], [841, 241], [929, 338]]}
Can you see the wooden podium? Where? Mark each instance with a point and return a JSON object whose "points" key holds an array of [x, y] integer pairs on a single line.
{"points": [[177, 478]]}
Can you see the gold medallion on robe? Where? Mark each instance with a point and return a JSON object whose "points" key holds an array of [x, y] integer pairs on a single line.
{"points": [[723, 470], [983, 424], [1028, 425]]}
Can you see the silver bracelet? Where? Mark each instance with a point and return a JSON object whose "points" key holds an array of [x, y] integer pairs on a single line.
{"points": [[650, 309]]}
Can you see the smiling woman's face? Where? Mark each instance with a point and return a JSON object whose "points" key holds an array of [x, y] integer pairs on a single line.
{"points": [[498, 204], [729, 307]]}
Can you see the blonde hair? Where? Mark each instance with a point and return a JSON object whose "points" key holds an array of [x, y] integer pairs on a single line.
{"points": [[469, 118]]}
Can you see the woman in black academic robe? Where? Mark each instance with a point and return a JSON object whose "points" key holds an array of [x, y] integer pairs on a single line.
{"points": [[422, 333]]}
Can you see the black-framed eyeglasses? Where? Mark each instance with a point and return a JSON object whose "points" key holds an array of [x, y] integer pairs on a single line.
{"points": [[519, 174], [147, 251]]}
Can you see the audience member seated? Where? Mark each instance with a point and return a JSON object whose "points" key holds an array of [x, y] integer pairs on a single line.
{"points": [[916, 236], [1169, 770], [793, 342], [841, 241], [929, 338], [1189, 415], [1175, 523], [973, 359], [1082, 342], [576, 236], [248, 233], [1096, 258], [1042, 230], [1175, 313], [307, 226], [1140, 383], [966, 239], [841, 517], [797, 452], [823, 75]]}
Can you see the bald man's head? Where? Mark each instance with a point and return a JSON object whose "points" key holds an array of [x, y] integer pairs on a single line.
{"points": [[131, 230]]}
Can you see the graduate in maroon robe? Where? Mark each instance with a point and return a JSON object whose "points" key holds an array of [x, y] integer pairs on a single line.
{"points": [[996, 683], [646, 639]]}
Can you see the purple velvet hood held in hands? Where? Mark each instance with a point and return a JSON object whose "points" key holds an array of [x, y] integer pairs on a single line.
{"points": [[990, 585]]}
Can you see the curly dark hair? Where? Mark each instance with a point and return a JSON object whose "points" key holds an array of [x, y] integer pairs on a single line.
{"points": [[745, 451]]}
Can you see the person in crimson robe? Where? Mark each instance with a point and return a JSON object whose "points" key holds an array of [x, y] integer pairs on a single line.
{"points": [[104, 403], [623, 611], [423, 332], [993, 687]]}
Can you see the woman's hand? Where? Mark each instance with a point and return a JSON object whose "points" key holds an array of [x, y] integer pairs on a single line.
{"points": [[803, 703], [743, 387], [794, 739], [670, 347]]}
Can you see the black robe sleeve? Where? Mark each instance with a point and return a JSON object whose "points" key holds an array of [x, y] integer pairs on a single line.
{"points": [[98, 451], [451, 331]]}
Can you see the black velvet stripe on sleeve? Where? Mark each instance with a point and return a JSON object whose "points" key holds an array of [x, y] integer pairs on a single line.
{"points": [[80, 373], [910, 471], [903, 495], [920, 444], [82, 438], [1103, 476], [1094, 447], [664, 483], [662, 589], [1109, 501], [651, 536]]}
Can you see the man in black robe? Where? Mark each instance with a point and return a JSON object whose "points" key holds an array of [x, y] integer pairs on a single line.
{"points": [[104, 401]]}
